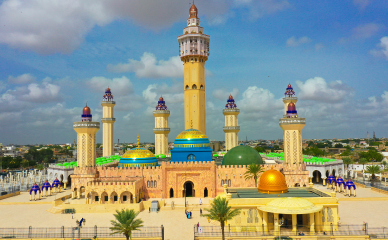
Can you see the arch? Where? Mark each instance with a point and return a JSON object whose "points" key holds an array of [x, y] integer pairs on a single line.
{"points": [[151, 184], [333, 172], [155, 184], [187, 86], [171, 193], [126, 197], [205, 192], [327, 174], [191, 157], [69, 180], [94, 197], [229, 183], [51, 177], [222, 183], [297, 185], [188, 189], [201, 86], [104, 197], [113, 197], [194, 86], [82, 190], [61, 178], [317, 176]]}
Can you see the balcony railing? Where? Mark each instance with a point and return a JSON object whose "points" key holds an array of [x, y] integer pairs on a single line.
{"points": [[232, 128]]}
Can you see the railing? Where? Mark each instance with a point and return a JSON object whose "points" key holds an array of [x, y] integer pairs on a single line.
{"points": [[286, 230], [232, 128], [77, 232]]}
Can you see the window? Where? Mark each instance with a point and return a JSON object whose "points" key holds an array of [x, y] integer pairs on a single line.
{"points": [[187, 86], [115, 198], [125, 198], [229, 183], [201, 86], [155, 183], [194, 86], [106, 198], [222, 182], [191, 157], [96, 198], [151, 183], [148, 183]]}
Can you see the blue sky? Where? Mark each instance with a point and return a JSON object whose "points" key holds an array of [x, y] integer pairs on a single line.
{"points": [[56, 55]]}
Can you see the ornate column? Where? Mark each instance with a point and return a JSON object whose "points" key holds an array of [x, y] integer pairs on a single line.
{"points": [[312, 223], [276, 223], [265, 221], [294, 221]]}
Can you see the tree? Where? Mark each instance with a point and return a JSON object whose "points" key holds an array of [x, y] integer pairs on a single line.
{"points": [[40, 167], [347, 161], [373, 169], [253, 172], [221, 212], [338, 145], [126, 222], [25, 163]]}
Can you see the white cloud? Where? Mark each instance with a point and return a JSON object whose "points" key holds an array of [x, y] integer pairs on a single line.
{"points": [[223, 94], [22, 79], [119, 86], [37, 93], [171, 94], [383, 48], [258, 99], [367, 30], [317, 89], [294, 42], [361, 4], [319, 46], [61, 26], [149, 67]]}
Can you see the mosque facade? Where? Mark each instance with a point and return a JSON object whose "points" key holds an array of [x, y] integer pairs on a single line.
{"points": [[191, 171]]}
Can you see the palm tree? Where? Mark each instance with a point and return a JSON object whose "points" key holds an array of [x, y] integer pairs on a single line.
{"points": [[363, 161], [221, 212], [373, 169], [253, 172], [126, 223], [347, 162]]}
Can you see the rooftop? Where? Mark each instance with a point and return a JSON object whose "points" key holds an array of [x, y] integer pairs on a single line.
{"points": [[292, 192]]}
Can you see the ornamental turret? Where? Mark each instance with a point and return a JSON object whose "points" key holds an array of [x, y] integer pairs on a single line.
{"points": [[231, 127], [108, 121], [194, 52], [161, 129], [292, 126], [86, 139]]}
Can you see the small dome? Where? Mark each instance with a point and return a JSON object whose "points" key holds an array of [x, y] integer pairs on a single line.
{"points": [[193, 11], [230, 97], [191, 134], [291, 106], [161, 98], [138, 157], [86, 110], [242, 155], [272, 181]]}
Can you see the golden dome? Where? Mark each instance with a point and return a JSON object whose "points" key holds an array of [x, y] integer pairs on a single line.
{"points": [[137, 153], [272, 181], [191, 134]]}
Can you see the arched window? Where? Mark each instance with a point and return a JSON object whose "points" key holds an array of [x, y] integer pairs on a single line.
{"points": [[194, 86], [155, 183], [151, 184], [201, 86], [191, 157], [187, 86], [195, 59], [222, 182], [148, 183], [229, 183]]}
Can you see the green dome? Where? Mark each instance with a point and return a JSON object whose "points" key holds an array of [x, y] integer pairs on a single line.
{"points": [[242, 155]]}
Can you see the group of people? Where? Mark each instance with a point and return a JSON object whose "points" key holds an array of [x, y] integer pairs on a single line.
{"points": [[189, 215]]}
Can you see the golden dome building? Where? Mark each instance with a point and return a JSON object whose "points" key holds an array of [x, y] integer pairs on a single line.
{"points": [[273, 207], [138, 157]]}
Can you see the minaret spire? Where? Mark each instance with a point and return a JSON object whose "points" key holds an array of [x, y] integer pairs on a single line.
{"points": [[138, 141]]}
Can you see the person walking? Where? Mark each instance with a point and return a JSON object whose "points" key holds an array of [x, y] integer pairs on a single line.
{"points": [[200, 201], [200, 211]]}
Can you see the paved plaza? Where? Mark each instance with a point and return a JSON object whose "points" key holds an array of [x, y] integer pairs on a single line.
{"points": [[18, 211]]}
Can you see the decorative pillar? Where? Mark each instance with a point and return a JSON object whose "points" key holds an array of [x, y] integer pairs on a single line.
{"points": [[312, 223], [265, 221], [108, 122], [324, 181], [79, 193], [316, 215], [161, 129], [294, 221], [276, 223], [231, 127], [64, 185], [311, 180]]}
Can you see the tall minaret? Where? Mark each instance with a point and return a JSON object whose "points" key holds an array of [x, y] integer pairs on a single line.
{"points": [[231, 128], [161, 129], [292, 126], [108, 122], [86, 139], [194, 52]]}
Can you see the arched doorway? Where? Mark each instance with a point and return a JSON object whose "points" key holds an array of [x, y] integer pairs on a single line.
{"points": [[171, 193], [327, 174], [333, 172], [205, 193], [188, 189], [317, 177]]}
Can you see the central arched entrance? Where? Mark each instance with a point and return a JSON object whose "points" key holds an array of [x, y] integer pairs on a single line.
{"points": [[188, 190]]}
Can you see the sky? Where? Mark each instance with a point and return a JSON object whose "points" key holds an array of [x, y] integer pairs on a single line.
{"points": [[56, 56]]}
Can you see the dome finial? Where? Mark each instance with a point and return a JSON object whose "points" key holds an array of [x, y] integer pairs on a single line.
{"points": [[138, 140], [191, 124]]}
